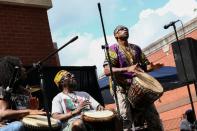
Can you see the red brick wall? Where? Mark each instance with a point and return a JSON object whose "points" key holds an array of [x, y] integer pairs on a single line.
{"points": [[193, 34], [177, 95], [166, 58], [24, 32]]}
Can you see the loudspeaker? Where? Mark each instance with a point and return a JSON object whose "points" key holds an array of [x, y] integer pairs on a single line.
{"points": [[185, 55]]}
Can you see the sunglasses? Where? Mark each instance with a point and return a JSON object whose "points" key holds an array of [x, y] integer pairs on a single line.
{"points": [[120, 29], [68, 76]]}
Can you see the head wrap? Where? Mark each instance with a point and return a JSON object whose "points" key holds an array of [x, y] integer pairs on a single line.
{"points": [[119, 27], [59, 76]]}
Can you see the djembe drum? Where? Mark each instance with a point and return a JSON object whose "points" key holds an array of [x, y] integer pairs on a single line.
{"points": [[40, 123], [100, 120], [144, 90]]}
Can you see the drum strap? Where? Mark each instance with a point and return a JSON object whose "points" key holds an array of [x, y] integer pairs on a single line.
{"points": [[128, 53]]}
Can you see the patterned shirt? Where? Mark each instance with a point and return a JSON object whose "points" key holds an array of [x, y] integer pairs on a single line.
{"points": [[64, 103], [121, 57], [16, 100]]}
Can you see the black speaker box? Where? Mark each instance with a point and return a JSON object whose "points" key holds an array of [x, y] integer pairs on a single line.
{"points": [[185, 55]]}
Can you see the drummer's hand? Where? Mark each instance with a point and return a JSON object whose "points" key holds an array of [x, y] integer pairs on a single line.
{"points": [[37, 112], [82, 105], [134, 69], [100, 108], [152, 66]]}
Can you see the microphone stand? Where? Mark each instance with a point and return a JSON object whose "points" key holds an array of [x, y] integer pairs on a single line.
{"points": [[12, 80], [106, 47], [188, 88], [38, 66]]}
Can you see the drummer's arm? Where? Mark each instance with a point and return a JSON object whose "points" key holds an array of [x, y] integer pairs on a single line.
{"points": [[66, 116], [119, 70], [151, 66], [63, 117], [148, 66], [6, 113]]}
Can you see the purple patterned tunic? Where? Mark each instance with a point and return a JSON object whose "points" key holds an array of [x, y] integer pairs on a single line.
{"points": [[119, 58]]}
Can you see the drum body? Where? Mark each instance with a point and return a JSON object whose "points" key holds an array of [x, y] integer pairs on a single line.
{"points": [[100, 120], [40, 123], [144, 90]]}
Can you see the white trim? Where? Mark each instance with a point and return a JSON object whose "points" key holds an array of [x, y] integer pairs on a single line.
{"points": [[169, 38]]}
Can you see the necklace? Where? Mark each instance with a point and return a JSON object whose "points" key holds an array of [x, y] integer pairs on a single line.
{"points": [[73, 97], [129, 53], [127, 48]]}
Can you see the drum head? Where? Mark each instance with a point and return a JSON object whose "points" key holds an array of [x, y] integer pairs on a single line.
{"points": [[91, 116], [149, 82], [39, 121]]}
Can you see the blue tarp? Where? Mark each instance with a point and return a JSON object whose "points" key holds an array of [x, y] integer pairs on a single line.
{"points": [[166, 72], [166, 75], [103, 82]]}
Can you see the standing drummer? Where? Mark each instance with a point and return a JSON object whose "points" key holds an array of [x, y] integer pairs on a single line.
{"points": [[128, 59], [68, 105]]}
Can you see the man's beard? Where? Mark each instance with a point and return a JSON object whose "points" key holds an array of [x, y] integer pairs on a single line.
{"points": [[124, 37], [72, 84]]}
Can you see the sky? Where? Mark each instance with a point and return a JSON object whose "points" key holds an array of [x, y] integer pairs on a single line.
{"points": [[144, 18]]}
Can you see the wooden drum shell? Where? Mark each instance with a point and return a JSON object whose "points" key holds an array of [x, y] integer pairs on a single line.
{"points": [[144, 90]]}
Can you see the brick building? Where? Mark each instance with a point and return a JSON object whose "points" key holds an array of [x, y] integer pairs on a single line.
{"points": [[24, 30], [173, 103]]}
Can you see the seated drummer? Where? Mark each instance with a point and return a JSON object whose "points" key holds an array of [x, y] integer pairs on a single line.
{"points": [[13, 101], [68, 104]]}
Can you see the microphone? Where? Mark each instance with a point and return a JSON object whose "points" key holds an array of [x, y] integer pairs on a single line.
{"points": [[170, 24], [13, 79], [73, 39], [99, 6]]}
